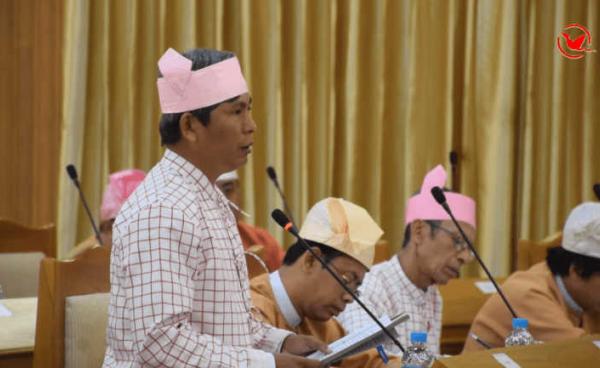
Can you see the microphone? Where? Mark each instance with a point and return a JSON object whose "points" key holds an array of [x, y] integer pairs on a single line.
{"points": [[597, 190], [454, 167], [282, 220], [73, 175], [273, 176], [440, 198]]}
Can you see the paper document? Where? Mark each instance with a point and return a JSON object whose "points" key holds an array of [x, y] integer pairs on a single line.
{"points": [[4, 312], [505, 360], [364, 339], [486, 287]]}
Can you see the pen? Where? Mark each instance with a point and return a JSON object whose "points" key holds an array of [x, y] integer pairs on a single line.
{"points": [[480, 341]]}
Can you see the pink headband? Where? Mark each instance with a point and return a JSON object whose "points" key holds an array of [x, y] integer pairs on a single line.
{"points": [[182, 89], [120, 186], [424, 207]]}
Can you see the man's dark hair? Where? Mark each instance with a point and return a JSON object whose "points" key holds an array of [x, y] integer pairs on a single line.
{"points": [[169, 123], [434, 224], [297, 250], [559, 261]]}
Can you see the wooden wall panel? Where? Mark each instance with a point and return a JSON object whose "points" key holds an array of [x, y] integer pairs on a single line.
{"points": [[31, 36]]}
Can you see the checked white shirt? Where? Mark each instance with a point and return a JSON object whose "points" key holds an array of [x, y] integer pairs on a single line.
{"points": [[179, 282], [387, 290]]}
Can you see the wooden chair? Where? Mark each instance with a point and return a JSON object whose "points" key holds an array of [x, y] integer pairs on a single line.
{"points": [[21, 250], [382, 251], [73, 311], [530, 252], [254, 261]]}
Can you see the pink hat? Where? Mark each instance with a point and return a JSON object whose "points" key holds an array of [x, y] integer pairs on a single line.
{"points": [[120, 186], [182, 89], [424, 207]]}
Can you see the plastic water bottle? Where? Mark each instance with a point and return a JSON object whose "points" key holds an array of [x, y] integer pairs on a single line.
{"points": [[519, 335], [417, 355]]}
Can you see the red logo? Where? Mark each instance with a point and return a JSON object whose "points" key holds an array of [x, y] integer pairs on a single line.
{"points": [[574, 44]]}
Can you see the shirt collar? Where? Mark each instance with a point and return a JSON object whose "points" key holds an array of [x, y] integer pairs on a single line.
{"points": [[568, 298], [403, 281], [283, 300], [190, 173]]}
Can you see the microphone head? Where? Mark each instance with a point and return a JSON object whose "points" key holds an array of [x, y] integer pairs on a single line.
{"points": [[453, 158], [282, 220], [439, 195], [72, 172], [271, 173], [597, 190]]}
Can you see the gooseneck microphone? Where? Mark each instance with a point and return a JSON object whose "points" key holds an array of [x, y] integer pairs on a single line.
{"points": [[273, 176], [440, 198], [597, 190], [73, 175], [282, 220], [454, 166]]}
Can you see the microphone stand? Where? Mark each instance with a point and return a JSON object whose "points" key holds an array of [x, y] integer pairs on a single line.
{"points": [[273, 176], [73, 176], [439, 196]]}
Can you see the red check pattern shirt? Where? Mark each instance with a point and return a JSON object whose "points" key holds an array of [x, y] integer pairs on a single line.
{"points": [[386, 290], [179, 282]]}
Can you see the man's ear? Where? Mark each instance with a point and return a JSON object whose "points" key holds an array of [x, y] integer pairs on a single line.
{"points": [[189, 130], [575, 272], [309, 262], [417, 231]]}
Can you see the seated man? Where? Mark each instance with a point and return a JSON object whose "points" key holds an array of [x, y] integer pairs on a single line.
{"points": [[229, 184], [302, 296], [432, 254], [560, 297], [120, 185]]}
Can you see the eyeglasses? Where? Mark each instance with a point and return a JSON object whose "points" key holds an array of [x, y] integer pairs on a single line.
{"points": [[458, 241], [350, 281]]}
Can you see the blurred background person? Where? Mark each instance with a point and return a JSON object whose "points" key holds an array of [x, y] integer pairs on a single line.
{"points": [[120, 185], [272, 253]]}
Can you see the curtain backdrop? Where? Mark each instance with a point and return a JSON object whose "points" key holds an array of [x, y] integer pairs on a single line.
{"points": [[355, 99]]}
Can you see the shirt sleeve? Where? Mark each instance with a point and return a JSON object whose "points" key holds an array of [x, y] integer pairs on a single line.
{"points": [[265, 336], [547, 319], [157, 273]]}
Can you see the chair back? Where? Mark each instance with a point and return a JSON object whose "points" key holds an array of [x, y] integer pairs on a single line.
{"points": [[256, 265], [382, 251], [72, 311], [530, 252], [21, 250]]}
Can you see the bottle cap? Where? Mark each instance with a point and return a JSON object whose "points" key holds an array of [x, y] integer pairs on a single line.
{"points": [[520, 323], [418, 337]]}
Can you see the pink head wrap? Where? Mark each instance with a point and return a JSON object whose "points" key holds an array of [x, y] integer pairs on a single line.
{"points": [[182, 89], [424, 207], [120, 186]]}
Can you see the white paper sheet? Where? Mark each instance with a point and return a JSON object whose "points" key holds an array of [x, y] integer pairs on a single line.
{"points": [[486, 287], [4, 312], [505, 360]]}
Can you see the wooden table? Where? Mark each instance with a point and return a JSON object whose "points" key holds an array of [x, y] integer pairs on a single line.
{"points": [[17, 332], [462, 301], [580, 353]]}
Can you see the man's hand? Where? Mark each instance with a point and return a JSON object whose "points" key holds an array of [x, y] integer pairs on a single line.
{"points": [[294, 361], [302, 345]]}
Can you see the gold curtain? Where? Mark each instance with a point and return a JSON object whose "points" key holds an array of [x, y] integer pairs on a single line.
{"points": [[357, 99]]}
